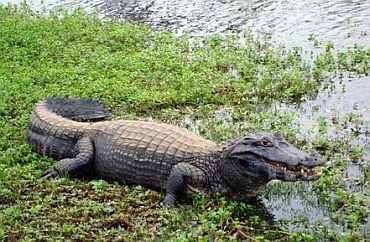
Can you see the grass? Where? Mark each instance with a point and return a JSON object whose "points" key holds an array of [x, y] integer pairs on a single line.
{"points": [[215, 87]]}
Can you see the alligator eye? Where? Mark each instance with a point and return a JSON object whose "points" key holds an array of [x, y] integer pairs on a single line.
{"points": [[266, 143]]}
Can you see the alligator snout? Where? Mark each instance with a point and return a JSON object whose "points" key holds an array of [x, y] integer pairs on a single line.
{"points": [[312, 160]]}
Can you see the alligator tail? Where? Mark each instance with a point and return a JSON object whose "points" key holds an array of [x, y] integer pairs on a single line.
{"points": [[58, 122], [78, 109]]}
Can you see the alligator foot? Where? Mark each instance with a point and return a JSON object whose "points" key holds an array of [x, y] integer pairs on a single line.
{"points": [[73, 166], [170, 199], [50, 173]]}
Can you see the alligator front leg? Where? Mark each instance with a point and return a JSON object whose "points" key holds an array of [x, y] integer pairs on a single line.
{"points": [[182, 174], [73, 166]]}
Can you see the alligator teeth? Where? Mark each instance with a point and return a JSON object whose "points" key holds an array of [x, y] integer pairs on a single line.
{"points": [[296, 170]]}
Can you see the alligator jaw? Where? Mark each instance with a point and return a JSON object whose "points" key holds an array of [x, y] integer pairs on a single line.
{"points": [[298, 172]]}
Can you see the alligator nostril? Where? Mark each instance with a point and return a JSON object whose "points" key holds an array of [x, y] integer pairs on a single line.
{"points": [[314, 157], [317, 159], [311, 160]]}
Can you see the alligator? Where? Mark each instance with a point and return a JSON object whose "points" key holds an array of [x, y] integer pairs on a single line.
{"points": [[160, 156]]}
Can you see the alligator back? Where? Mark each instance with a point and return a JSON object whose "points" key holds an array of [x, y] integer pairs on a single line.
{"points": [[144, 152]]}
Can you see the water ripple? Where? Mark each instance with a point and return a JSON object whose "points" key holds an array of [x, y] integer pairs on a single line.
{"points": [[289, 21]]}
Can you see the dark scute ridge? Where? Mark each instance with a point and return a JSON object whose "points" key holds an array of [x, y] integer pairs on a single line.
{"points": [[78, 109]]}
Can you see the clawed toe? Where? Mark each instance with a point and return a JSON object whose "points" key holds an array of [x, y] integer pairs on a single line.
{"points": [[168, 200], [49, 173]]}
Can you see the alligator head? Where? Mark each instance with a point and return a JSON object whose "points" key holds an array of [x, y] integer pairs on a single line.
{"points": [[267, 156]]}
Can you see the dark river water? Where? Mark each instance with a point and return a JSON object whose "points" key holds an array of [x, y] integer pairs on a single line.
{"points": [[289, 22]]}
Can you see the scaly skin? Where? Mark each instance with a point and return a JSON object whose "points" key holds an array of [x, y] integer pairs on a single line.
{"points": [[158, 155]]}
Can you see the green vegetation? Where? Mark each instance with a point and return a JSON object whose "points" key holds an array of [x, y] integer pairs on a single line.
{"points": [[214, 86]]}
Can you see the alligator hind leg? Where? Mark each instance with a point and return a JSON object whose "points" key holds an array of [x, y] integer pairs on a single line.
{"points": [[84, 150]]}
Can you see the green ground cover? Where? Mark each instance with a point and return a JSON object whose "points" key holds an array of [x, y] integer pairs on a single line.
{"points": [[212, 86]]}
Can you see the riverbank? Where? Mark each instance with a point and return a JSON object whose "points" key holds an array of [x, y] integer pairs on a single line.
{"points": [[214, 87]]}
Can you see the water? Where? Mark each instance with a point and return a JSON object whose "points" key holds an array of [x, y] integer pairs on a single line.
{"points": [[290, 22]]}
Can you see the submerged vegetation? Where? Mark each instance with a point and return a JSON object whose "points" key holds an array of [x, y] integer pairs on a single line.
{"points": [[216, 87]]}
